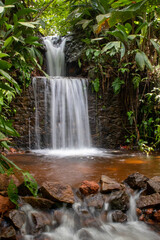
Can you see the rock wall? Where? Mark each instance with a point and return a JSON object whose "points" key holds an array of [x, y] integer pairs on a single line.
{"points": [[106, 117]]}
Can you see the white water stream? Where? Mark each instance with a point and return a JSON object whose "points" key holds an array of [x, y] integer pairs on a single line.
{"points": [[71, 226]]}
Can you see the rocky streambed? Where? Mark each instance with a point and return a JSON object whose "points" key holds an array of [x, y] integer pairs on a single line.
{"points": [[95, 211]]}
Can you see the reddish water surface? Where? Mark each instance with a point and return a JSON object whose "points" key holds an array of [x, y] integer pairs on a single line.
{"points": [[74, 169]]}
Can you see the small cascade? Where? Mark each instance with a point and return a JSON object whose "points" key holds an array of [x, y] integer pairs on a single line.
{"points": [[61, 104], [55, 55], [72, 224]]}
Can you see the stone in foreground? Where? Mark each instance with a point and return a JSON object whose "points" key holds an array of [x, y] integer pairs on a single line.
{"points": [[89, 187], [149, 201], [137, 181], [108, 184], [57, 192], [39, 203]]}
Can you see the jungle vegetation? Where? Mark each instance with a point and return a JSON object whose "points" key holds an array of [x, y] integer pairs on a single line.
{"points": [[121, 45]]}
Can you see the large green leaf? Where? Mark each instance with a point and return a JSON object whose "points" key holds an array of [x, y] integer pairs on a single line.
{"points": [[25, 11], [147, 62], [120, 16], [10, 79], [156, 45], [114, 44], [4, 86], [3, 55], [5, 65], [27, 24], [8, 41], [140, 60]]}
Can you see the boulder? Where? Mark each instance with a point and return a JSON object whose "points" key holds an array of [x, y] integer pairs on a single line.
{"points": [[23, 190], [41, 219], [108, 184], [157, 215], [89, 187], [119, 200], [8, 233], [5, 204], [38, 203], [17, 217], [136, 181], [148, 201], [95, 200], [119, 216], [153, 186], [5, 180], [57, 192]]}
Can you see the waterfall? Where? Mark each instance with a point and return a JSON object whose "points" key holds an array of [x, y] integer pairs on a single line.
{"points": [[55, 56], [61, 104]]}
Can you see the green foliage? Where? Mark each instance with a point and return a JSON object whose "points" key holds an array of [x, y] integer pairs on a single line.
{"points": [[30, 183], [19, 56], [117, 83], [12, 192]]}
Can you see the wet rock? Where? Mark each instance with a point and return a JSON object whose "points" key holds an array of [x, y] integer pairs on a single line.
{"points": [[23, 190], [88, 187], [119, 216], [108, 184], [5, 180], [149, 201], [8, 233], [95, 200], [138, 211], [84, 234], [17, 217], [153, 186], [39, 203], [5, 204], [41, 219], [137, 181], [57, 192], [58, 215], [157, 215], [119, 201], [149, 211]]}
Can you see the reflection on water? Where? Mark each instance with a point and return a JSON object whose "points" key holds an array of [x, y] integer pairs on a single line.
{"points": [[73, 167]]}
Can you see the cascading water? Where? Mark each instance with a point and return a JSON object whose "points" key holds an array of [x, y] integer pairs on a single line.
{"points": [[73, 225], [61, 104]]}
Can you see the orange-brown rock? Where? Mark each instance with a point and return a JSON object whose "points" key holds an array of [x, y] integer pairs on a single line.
{"points": [[149, 211], [138, 211], [142, 217], [157, 215], [89, 187], [5, 204], [57, 192]]}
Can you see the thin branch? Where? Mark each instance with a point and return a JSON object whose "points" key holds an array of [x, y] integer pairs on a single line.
{"points": [[43, 9]]}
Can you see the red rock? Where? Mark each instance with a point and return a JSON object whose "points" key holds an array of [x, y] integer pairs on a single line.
{"points": [[142, 217], [150, 221], [157, 215], [149, 211], [89, 187], [5, 204], [138, 211], [5, 180], [57, 192]]}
